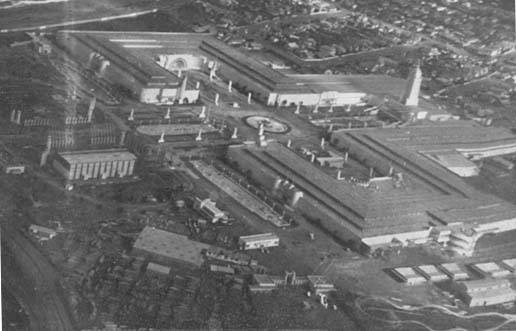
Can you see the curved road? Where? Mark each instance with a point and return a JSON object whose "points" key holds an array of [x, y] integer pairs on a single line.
{"points": [[33, 282]]}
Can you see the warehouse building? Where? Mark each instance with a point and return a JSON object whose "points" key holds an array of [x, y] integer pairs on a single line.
{"points": [[165, 247], [408, 275], [153, 65], [485, 292], [454, 271], [95, 164], [408, 198], [129, 63], [258, 241], [431, 273], [490, 269]]}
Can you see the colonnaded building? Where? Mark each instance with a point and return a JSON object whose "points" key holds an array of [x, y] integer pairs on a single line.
{"points": [[154, 65], [95, 164], [414, 192]]}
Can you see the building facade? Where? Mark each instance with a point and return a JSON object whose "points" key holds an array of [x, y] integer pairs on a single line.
{"points": [[96, 164], [258, 241]]}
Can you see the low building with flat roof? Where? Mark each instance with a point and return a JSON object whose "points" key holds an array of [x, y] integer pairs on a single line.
{"points": [[510, 264], [258, 241], [431, 273], [95, 164], [408, 275], [158, 269], [485, 292], [209, 209], [320, 284], [490, 269], [42, 232], [167, 247], [454, 271]]}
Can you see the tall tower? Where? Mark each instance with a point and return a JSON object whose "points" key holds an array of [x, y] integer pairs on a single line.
{"points": [[411, 95]]}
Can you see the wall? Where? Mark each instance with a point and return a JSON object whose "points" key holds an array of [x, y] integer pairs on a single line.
{"points": [[173, 62]]}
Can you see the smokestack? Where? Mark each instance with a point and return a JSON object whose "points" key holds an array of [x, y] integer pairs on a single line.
{"points": [[260, 129], [203, 112], [102, 70], [346, 156], [122, 138], [217, 99], [18, 117], [91, 108], [316, 109], [312, 158], [49, 143], [162, 138], [331, 109], [295, 198], [298, 108], [199, 136], [330, 128], [249, 96], [197, 85], [131, 115], [289, 143], [167, 115], [322, 142], [339, 175], [277, 183], [230, 85], [234, 135], [46, 152]]}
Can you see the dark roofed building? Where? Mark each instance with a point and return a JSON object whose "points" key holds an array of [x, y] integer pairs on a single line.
{"points": [[410, 196]]}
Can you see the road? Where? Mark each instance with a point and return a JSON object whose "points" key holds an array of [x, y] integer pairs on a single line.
{"points": [[68, 23], [424, 315], [34, 282]]}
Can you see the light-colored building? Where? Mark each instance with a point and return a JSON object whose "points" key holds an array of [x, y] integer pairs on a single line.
{"points": [[320, 284], [95, 164], [454, 271], [132, 64], [490, 269], [42, 232], [209, 209], [408, 275], [485, 292], [158, 269], [431, 273], [258, 241], [509, 264]]}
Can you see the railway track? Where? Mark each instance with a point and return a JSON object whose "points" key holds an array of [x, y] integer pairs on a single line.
{"points": [[44, 298]]}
